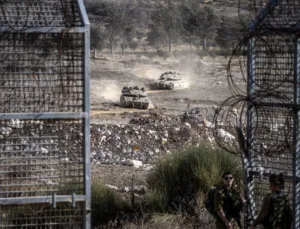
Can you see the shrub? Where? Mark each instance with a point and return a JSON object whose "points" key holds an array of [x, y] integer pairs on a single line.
{"points": [[106, 204], [177, 180]]}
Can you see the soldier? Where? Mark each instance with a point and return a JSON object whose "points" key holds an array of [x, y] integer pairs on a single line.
{"points": [[228, 204], [275, 212]]}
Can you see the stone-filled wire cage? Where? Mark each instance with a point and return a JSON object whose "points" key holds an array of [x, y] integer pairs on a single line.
{"points": [[44, 114], [263, 113]]}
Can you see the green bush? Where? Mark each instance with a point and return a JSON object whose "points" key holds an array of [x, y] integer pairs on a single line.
{"points": [[106, 204], [177, 180]]}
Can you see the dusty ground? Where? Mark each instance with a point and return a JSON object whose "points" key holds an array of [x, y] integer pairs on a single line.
{"points": [[206, 76], [207, 87]]}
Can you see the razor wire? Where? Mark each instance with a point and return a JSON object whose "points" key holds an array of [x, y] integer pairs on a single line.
{"points": [[261, 116], [273, 83]]}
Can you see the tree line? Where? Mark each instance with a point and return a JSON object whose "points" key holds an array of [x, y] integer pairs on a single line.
{"points": [[161, 25]]}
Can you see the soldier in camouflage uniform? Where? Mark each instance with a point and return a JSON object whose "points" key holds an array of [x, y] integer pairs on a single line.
{"points": [[228, 204], [275, 212]]}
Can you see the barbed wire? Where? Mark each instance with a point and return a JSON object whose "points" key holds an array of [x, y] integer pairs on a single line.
{"points": [[262, 104]]}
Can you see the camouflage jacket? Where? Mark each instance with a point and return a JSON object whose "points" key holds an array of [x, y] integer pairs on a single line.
{"points": [[275, 211], [229, 201]]}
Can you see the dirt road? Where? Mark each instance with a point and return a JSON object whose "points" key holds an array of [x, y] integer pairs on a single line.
{"points": [[206, 77]]}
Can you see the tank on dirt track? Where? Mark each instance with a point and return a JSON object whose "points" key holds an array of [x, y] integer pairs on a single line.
{"points": [[171, 80], [134, 97]]}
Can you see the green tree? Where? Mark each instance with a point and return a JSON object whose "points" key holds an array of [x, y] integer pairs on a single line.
{"points": [[190, 21], [157, 36], [118, 21], [166, 25], [209, 23], [98, 39], [229, 32], [133, 45], [199, 23]]}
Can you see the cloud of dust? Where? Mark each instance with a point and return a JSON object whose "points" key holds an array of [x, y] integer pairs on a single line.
{"points": [[148, 72], [110, 92], [192, 67]]}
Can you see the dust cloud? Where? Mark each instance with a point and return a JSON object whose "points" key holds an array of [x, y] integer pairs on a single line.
{"points": [[109, 92]]}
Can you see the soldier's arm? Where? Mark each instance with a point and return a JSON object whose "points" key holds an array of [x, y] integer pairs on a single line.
{"points": [[218, 205], [263, 214]]}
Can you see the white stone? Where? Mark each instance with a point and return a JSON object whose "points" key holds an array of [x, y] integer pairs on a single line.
{"points": [[188, 125], [135, 163], [126, 189], [207, 123], [227, 137], [112, 187], [16, 123], [152, 132], [65, 160], [177, 129], [102, 139], [44, 150]]}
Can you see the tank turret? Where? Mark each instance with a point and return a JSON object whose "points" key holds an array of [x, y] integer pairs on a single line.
{"points": [[134, 97], [171, 80]]}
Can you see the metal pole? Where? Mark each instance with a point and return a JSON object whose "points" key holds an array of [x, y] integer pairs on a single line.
{"points": [[251, 207], [86, 120], [296, 139]]}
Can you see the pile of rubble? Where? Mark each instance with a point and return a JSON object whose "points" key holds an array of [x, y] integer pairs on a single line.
{"points": [[199, 115], [145, 138], [139, 142]]}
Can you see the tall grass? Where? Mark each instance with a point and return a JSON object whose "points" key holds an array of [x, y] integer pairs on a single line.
{"points": [[181, 178], [106, 204]]}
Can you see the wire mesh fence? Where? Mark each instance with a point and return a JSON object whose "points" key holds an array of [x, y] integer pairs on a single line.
{"points": [[19, 15], [42, 216], [41, 157], [44, 125], [264, 117], [41, 72]]}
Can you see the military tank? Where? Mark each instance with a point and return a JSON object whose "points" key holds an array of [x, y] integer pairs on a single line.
{"points": [[134, 97], [171, 80]]}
